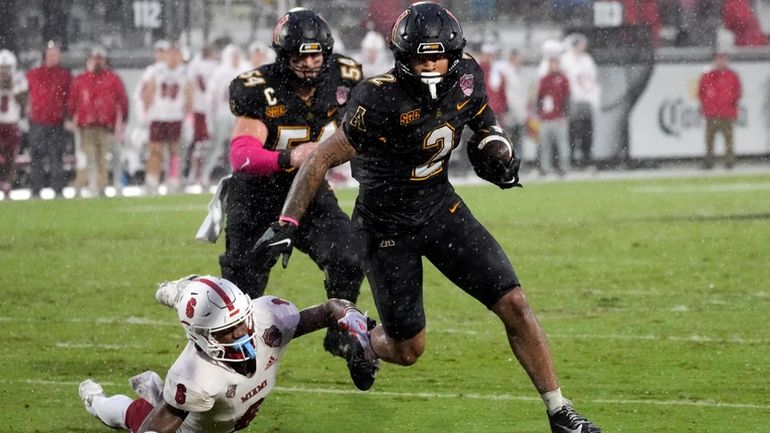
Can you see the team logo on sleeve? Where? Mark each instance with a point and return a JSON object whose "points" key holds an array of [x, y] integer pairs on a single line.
{"points": [[358, 118], [466, 84], [231, 391], [272, 336], [342, 94]]}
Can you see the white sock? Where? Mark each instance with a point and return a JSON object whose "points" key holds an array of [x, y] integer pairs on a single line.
{"points": [[111, 410], [553, 400]]}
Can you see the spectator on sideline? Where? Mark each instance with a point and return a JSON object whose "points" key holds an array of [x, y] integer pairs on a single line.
{"points": [[232, 62], [230, 362], [585, 94], [375, 57], [199, 71], [139, 137], [48, 89], [550, 48], [719, 91], [494, 79], [166, 101], [98, 106], [13, 99], [552, 104], [516, 96], [259, 54]]}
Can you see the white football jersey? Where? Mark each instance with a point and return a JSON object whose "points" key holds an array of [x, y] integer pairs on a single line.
{"points": [[199, 72], [168, 101], [10, 110], [217, 398]]}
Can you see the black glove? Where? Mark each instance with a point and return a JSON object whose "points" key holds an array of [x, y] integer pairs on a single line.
{"points": [[277, 240], [499, 173], [510, 175]]}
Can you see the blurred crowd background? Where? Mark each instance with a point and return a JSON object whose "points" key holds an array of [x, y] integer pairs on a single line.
{"points": [[208, 42]]}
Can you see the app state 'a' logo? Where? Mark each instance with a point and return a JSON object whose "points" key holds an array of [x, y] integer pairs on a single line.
{"points": [[358, 118]]}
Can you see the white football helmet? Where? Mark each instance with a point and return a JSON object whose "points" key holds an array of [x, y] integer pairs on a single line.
{"points": [[209, 305]]}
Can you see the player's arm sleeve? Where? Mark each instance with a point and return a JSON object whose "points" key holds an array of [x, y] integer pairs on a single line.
{"points": [[272, 311], [184, 394]]}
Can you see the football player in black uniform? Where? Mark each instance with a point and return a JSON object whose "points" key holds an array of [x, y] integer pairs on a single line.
{"points": [[283, 109], [399, 130]]}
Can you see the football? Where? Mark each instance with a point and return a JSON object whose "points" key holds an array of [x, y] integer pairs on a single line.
{"points": [[490, 146]]}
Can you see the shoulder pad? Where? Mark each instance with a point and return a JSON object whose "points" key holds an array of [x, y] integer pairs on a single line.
{"points": [[247, 96], [272, 312], [349, 69]]}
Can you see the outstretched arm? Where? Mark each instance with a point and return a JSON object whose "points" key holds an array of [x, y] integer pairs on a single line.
{"points": [[322, 316], [331, 152]]}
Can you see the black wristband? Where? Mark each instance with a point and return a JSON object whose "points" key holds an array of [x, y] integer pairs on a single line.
{"points": [[284, 159]]}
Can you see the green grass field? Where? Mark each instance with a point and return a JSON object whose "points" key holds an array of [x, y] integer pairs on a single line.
{"points": [[655, 294]]}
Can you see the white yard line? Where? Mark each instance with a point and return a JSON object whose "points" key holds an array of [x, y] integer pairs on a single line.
{"points": [[139, 321], [448, 395]]}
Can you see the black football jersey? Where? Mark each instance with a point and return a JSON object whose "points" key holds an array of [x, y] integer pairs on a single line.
{"points": [[263, 94], [404, 141]]}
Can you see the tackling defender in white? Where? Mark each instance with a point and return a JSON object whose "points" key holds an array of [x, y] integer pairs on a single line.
{"points": [[229, 365]]}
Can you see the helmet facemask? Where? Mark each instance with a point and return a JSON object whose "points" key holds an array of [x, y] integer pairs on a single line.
{"points": [[237, 350], [299, 65]]}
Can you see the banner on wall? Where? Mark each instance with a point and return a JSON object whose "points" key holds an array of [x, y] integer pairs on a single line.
{"points": [[666, 121]]}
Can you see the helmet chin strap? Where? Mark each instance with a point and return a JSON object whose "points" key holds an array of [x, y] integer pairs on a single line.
{"points": [[431, 79]]}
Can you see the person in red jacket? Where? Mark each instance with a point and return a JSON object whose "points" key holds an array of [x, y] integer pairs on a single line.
{"points": [[553, 97], [719, 92], [48, 88], [98, 106]]}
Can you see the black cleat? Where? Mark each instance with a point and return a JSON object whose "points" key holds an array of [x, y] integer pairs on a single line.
{"points": [[362, 370], [566, 420]]}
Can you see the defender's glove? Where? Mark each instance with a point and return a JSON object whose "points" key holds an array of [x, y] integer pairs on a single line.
{"points": [[357, 325], [276, 241]]}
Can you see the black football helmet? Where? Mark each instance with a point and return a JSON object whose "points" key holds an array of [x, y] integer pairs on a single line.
{"points": [[302, 31], [427, 29]]}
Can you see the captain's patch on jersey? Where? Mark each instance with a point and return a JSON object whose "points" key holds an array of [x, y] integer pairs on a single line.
{"points": [[358, 118]]}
